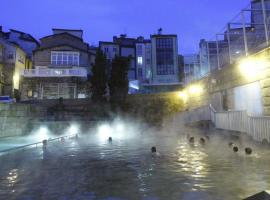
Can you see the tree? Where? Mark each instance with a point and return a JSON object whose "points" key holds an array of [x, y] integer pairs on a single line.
{"points": [[118, 83], [99, 77]]}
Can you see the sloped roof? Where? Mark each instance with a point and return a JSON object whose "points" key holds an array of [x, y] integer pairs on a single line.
{"points": [[63, 39]]}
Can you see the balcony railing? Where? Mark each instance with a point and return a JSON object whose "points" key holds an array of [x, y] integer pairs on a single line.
{"points": [[73, 72]]}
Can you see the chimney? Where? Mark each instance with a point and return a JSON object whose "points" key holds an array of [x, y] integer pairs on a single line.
{"points": [[123, 35], [160, 31]]}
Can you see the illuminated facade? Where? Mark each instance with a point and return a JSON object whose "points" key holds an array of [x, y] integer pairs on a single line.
{"points": [[15, 55]]}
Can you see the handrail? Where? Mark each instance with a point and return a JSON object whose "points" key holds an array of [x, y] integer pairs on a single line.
{"points": [[34, 144], [212, 108]]}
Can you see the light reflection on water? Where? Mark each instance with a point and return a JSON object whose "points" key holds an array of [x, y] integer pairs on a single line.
{"points": [[125, 169]]}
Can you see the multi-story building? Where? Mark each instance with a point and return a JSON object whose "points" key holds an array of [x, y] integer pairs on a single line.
{"points": [[191, 67], [164, 59], [213, 55], [164, 74], [1, 70], [139, 52], [62, 65], [154, 62], [122, 46], [26, 41], [258, 22], [144, 60], [15, 55]]}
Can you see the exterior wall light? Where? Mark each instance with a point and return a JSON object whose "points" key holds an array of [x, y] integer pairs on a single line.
{"points": [[195, 90], [250, 67], [182, 95]]}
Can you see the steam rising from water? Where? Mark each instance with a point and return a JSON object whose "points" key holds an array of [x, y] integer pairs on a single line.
{"points": [[126, 164]]}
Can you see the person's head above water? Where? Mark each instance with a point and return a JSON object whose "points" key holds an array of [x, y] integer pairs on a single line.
{"points": [[191, 140], [110, 139], [235, 149], [248, 151], [202, 140], [153, 149]]}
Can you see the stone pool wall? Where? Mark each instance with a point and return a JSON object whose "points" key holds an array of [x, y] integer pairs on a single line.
{"points": [[15, 118]]}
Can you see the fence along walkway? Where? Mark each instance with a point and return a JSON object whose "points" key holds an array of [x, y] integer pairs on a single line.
{"points": [[256, 127]]}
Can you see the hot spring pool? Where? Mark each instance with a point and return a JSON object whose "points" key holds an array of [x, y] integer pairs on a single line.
{"points": [[90, 168]]}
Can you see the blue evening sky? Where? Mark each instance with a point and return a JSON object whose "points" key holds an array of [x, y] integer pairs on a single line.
{"points": [[191, 20]]}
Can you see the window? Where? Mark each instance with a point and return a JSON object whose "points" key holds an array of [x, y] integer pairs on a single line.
{"points": [[186, 68], [114, 49], [140, 60], [106, 49], [65, 58], [10, 55], [139, 50], [21, 59], [140, 74], [165, 56]]}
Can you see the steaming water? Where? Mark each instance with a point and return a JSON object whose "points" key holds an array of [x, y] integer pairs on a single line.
{"points": [[11, 142], [90, 168]]}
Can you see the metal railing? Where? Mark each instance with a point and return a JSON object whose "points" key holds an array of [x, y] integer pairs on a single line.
{"points": [[259, 128], [199, 114], [32, 145], [73, 72], [256, 127], [245, 34]]}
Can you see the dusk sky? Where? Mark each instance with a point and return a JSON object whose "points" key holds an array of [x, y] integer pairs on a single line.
{"points": [[191, 20]]}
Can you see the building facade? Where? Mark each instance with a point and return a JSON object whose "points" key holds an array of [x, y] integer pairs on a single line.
{"points": [[144, 60], [121, 46], [191, 67], [15, 55], [1, 69], [139, 52], [154, 61], [164, 59], [26, 41], [62, 66]]}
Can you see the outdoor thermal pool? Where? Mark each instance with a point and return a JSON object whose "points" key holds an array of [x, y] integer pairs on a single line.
{"points": [[92, 168]]}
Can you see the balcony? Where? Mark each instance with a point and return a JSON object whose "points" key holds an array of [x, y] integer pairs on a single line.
{"points": [[72, 72]]}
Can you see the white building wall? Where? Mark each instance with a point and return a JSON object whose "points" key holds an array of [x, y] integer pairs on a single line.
{"points": [[249, 98]]}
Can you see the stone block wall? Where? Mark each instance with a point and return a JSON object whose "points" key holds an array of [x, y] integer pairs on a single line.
{"points": [[226, 79], [15, 118]]}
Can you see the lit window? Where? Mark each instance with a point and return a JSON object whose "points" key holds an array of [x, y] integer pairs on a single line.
{"points": [[140, 60]]}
